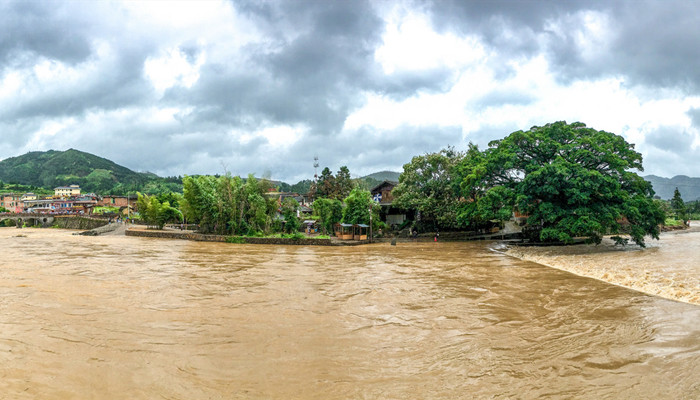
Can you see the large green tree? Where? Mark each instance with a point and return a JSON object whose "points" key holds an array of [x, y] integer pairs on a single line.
{"points": [[329, 211], [343, 183], [678, 205], [571, 180], [289, 210], [334, 187], [358, 206], [428, 185]]}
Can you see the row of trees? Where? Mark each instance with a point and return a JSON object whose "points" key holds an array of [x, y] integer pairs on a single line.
{"points": [[339, 198], [570, 180], [356, 208], [229, 205], [693, 209]]}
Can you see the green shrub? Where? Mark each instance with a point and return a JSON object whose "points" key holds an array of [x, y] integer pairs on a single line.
{"points": [[672, 222], [295, 236], [235, 239]]}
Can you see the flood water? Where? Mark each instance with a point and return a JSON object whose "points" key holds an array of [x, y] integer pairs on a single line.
{"points": [[123, 317], [668, 267]]}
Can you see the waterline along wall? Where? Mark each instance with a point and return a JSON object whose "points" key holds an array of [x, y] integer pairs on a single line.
{"points": [[234, 239]]}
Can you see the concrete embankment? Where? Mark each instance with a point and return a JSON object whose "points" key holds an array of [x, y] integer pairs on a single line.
{"points": [[162, 234]]}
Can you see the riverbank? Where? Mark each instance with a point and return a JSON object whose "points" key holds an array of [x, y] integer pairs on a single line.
{"points": [[667, 268], [198, 237]]}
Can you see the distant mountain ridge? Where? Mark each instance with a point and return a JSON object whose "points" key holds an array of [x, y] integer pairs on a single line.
{"points": [[384, 176], [664, 187]]}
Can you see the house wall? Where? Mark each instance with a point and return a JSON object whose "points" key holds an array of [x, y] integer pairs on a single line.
{"points": [[114, 201], [395, 219], [387, 197], [66, 191], [12, 202]]}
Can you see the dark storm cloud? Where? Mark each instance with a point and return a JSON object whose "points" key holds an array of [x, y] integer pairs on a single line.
{"points": [[496, 21], [121, 85], [315, 77], [32, 29], [652, 42], [35, 33], [659, 44], [670, 139], [694, 114]]}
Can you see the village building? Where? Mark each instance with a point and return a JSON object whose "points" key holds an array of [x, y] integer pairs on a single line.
{"points": [[125, 204], [42, 206], [29, 196], [303, 200], [67, 191], [12, 202], [389, 214], [81, 204]]}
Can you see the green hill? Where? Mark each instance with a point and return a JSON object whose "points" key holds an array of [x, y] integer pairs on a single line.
{"points": [[376, 178], [384, 176], [49, 169]]}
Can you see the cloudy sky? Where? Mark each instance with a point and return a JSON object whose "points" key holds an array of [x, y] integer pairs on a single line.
{"points": [[250, 86]]}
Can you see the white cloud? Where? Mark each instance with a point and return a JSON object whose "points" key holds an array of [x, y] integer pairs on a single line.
{"points": [[410, 43], [173, 68]]}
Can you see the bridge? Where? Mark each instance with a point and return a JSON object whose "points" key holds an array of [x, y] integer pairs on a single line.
{"points": [[32, 219], [67, 221]]}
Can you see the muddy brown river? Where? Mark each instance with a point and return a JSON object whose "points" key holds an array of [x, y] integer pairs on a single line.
{"points": [[133, 318]]}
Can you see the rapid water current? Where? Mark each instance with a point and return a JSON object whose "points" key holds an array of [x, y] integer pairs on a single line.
{"points": [[124, 317]]}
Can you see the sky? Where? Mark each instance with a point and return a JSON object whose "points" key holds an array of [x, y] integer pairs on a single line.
{"points": [[263, 87]]}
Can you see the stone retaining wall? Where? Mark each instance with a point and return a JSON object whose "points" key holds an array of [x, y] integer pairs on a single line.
{"points": [[220, 238], [80, 223]]}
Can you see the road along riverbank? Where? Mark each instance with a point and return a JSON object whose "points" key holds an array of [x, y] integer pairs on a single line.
{"points": [[668, 267]]}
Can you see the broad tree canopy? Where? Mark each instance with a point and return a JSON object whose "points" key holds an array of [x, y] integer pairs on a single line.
{"points": [[571, 180], [427, 185]]}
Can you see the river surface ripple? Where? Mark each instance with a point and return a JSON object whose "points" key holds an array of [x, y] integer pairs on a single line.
{"points": [[668, 267], [125, 317]]}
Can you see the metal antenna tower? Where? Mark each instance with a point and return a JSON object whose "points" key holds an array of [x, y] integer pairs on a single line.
{"points": [[315, 168]]}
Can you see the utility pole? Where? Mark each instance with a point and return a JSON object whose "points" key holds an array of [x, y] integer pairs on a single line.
{"points": [[370, 221]]}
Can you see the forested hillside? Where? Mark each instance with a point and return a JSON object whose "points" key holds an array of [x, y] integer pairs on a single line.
{"points": [[94, 174]]}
